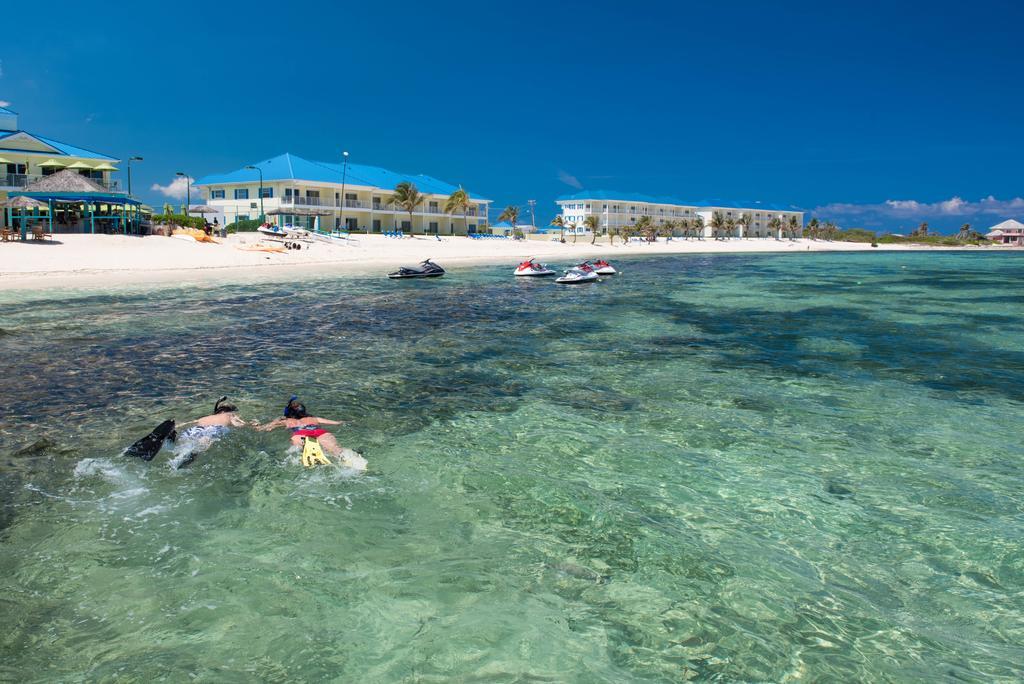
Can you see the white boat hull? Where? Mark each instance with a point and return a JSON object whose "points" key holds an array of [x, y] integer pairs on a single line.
{"points": [[530, 272], [577, 278]]}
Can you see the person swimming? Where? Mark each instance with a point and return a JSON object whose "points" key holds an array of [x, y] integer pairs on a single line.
{"points": [[205, 431], [303, 425], [197, 437]]}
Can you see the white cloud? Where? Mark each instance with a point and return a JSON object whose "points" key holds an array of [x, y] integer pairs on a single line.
{"points": [[4, 103], [569, 179], [954, 206], [177, 188]]}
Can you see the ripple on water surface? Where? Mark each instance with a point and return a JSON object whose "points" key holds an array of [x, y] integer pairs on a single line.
{"points": [[738, 468]]}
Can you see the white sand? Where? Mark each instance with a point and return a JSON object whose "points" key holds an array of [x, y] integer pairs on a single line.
{"points": [[104, 260]]}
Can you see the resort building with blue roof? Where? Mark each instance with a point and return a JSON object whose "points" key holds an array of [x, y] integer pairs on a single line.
{"points": [[325, 196], [28, 157], [616, 210], [48, 184]]}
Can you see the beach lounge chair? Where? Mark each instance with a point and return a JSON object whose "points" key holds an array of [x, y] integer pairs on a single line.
{"points": [[7, 235], [39, 234]]}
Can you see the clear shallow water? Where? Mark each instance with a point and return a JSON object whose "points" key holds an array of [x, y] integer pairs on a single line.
{"points": [[764, 469]]}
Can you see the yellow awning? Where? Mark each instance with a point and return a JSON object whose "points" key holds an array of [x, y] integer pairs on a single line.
{"points": [[78, 165], [104, 167], [51, 162]]}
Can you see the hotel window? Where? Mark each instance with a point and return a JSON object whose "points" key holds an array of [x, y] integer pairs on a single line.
{"points": [[376, 225], [406, 225], [433, 226], [313, 193], [376, 202], [337, 222], [242, 193], [216, 194], [267, 192], [351, 224]]}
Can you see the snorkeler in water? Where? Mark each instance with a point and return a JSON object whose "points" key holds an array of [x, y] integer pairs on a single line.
{"points": [[198, 435], [297, 418], [204, 432]]}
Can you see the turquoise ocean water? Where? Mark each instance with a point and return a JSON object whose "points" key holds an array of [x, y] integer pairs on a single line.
{"points": [[729, 468]]}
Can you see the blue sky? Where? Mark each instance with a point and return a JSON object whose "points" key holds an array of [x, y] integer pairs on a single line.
{"points": [[878, 114]]}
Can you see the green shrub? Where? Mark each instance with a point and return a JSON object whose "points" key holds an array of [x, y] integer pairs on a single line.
{"points": [[246, 226], [180, 220], [855, 235]]}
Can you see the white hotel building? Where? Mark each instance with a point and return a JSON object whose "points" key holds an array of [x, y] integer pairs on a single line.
{"points": [[325, 196], [617, 209]]}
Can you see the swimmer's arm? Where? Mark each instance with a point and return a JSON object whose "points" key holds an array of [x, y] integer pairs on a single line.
{"points": [[238, 422], [266, 427], [327, 421]]}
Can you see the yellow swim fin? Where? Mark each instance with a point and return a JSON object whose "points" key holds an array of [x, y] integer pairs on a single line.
{"points": [[313, 453]]}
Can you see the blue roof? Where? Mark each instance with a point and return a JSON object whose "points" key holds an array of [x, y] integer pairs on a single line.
{"points": [[290, 167], [62, 148], [503, 224], [613, 196]]}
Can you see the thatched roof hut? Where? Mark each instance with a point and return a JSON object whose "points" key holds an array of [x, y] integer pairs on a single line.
{"points": [[24, 203], [67, 180]]}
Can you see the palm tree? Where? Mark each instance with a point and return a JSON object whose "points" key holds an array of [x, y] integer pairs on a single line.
{"points": [[407, 197], [776, 225], [642, 225], [794, 227], [510, 214], [812, 228], [669, 227], [744, 222], [458, 201], [591, 223], [684, 225], [571, 226], [698, 226], [965, 232], [730, 227], [560, 222], [717, 223]]}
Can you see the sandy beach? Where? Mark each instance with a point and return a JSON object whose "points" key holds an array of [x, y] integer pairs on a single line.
{"points": [[102, 260]]}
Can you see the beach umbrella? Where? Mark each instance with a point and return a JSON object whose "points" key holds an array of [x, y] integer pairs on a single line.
{"points": [[79, 165], [52, 164], [202, 209], [105, 167], [4, 160], [22, 202]]}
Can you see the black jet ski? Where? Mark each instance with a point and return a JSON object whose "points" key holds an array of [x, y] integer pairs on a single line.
{"points": [[426, 269]]}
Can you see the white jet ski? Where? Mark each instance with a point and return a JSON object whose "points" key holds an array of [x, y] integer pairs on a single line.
{"points": [[532, 268], [604, 268], [274, 230], [584, 273]]}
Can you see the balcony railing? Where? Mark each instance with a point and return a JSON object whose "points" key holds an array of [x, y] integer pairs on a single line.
{"points": [[21, 180], [299, 201]]}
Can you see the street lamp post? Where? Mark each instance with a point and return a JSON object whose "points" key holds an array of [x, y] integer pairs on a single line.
{"points": [[344, 173], [533, 217], [256, 168], [188, 191], [130, 160]]}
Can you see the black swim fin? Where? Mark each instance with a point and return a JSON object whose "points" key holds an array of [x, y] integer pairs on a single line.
{"points": [[148, 447]]}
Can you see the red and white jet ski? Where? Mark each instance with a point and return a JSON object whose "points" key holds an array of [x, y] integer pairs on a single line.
{"points": [[532, 268], [584, 273], [604, 268]]}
